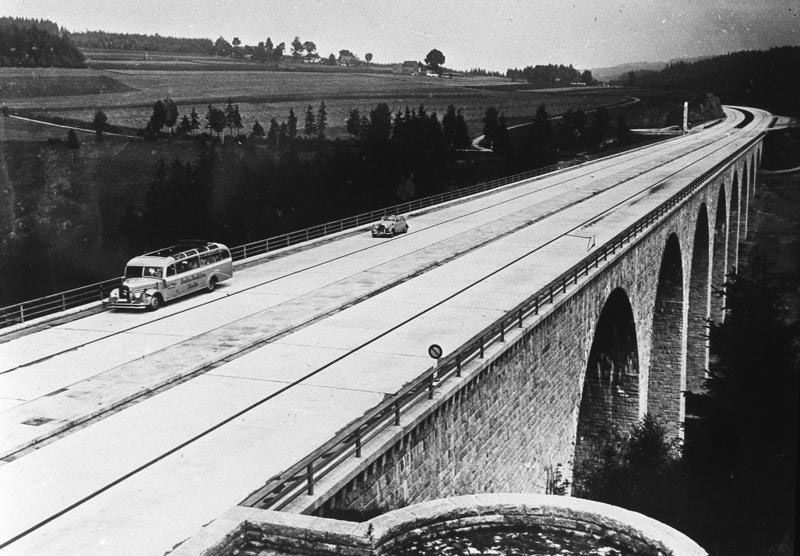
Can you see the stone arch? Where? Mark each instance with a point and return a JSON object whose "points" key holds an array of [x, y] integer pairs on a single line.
{"points": [[719, 260], [666, 379], [699, 305], [733, 225], [610, 395]]}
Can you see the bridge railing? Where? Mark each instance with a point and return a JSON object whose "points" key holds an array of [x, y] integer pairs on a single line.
{"points": [[61, 301], [300, 479], [57, 302]]}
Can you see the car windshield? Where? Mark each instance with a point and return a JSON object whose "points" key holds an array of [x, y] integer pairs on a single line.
{"points": [[390, 218]]}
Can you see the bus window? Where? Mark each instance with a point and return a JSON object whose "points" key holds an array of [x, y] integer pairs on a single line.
{"points": [[171, 270], [133, 271], [152, 272], [225, 254]]}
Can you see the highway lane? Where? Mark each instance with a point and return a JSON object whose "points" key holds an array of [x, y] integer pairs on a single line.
{"points": [[349, 360]]}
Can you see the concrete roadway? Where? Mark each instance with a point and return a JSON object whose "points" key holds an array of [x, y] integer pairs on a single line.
{"points": [[284, 355]]}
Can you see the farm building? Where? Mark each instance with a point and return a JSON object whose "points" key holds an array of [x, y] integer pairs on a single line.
{"points": [[409, 67]]}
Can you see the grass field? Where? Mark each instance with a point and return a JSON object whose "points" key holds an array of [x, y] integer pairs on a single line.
{"points": [[127, 96]]}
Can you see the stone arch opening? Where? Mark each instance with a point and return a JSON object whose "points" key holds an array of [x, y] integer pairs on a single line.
{"points": [[719, 262], [733, 226], [665, 383], [699, 305], [611, 383]]}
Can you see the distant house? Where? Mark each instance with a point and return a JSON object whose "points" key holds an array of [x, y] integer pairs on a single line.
{"points": [[409, 67], [348, 60]]}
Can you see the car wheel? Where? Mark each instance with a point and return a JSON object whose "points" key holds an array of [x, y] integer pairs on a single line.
{"points": [[392, 232], [212, 284], [155, 302]]}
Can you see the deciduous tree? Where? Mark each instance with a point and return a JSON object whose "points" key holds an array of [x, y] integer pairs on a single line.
{"points": [[158, 117], [99, 123], [258, 129], [435, 59]]}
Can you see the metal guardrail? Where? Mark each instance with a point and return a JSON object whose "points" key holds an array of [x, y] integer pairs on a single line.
{"points": [[57, 302], [282, 489], [61, 301]]}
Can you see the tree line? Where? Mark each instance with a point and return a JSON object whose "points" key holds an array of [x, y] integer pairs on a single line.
{"points": [[750, 78], [550, 75], [36, 43], [136, 41]]}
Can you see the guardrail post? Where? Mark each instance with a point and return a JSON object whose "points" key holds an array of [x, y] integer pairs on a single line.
{"points": [[502, 331], [458, 366], [63, 302], [551, 294], [21, 313], [575, 277], [310, 478], [244, 251], [520, 318], [358, 445], [481, 347], [536, 305], [430, 387], [396, 414], [564, 286]]}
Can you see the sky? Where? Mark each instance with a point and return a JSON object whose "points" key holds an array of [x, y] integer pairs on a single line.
{"points": [[490, 34]]}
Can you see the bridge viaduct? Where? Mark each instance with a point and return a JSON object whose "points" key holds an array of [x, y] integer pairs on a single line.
{"points": [[588, 312], [625, 339]]}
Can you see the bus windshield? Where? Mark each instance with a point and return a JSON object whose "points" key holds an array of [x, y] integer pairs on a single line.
{"points": [[146, 271], [133, 271]]}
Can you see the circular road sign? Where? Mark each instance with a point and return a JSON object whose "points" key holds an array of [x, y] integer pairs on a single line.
{"points": [[435, 351]]}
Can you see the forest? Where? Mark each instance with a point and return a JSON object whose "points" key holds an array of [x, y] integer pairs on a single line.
{"points": [[36, 43], [766, 79]]}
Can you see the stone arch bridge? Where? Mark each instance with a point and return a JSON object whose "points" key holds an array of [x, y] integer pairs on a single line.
{"points": [[564, 303]]}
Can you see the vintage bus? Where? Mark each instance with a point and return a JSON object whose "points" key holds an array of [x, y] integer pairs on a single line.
{"points": [[154, 278]]}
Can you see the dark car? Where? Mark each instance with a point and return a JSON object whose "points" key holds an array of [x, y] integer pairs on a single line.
{"points": [[389, 226]]}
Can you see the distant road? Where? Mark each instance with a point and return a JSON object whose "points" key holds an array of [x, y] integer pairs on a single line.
{"points": [[630, 100], [136, 137]]}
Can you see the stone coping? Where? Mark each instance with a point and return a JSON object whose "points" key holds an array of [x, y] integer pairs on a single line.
{"points": [[252, 531]]}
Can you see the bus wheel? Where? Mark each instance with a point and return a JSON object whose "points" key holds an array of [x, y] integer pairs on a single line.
{"points": [[155, 302], [212, 284]]}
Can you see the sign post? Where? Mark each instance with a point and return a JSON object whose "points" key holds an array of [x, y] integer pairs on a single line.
{"points": [[435, 351]]}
